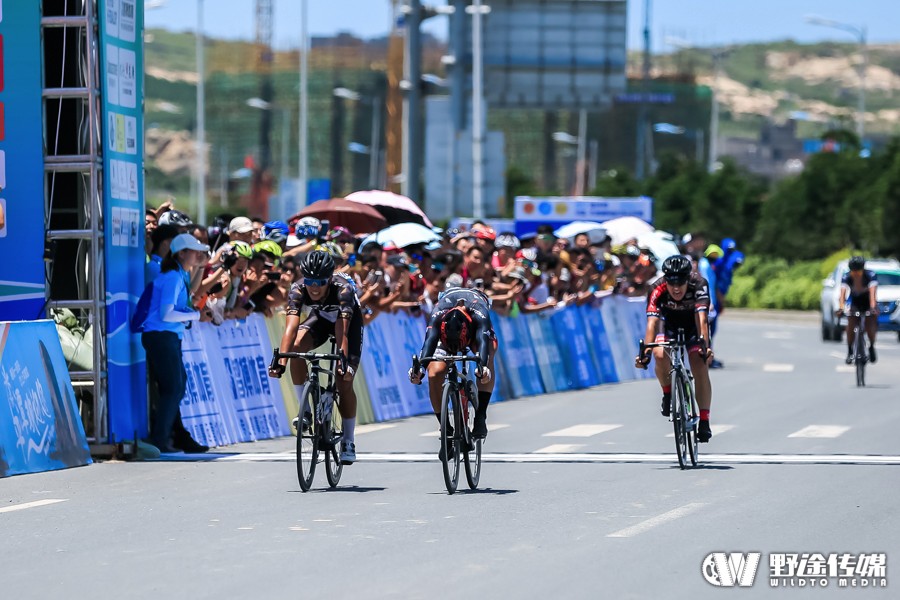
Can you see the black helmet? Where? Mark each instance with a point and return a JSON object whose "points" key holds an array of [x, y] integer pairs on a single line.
{"points": [[677, 269], [456, 330], [857, 263], [317, 265], [176, 218]]}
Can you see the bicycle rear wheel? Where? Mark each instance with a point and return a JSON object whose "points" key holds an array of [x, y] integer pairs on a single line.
{"points": [[308, 435], [860, 357], [333, 465], [472, 457], [450, 418], [678, 420]]}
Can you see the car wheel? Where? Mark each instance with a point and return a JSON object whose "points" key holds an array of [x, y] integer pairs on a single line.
{"points": [[837, 333], [826, 331]]}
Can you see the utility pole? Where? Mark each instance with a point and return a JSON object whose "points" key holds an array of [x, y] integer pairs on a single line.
{"points": [[640, 145], [412, 103]]}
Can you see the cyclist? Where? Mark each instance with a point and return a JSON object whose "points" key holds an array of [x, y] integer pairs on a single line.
{"points": [[858, 289], [681, 301], [460, 320], [334, 310]]}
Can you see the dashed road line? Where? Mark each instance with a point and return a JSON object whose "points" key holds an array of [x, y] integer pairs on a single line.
{"points": [[820, 431], [373, 427], [585, 430], [716, 430], [559, 448], [34, 504], [658, 520], [778, 368], [491, 427]]}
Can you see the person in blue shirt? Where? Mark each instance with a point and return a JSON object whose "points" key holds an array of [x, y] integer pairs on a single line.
{"points": [[161, 238], [170, 314]]}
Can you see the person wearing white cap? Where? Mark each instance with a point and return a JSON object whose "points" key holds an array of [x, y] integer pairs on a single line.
{"points": [[241, 229], [169, 314]]}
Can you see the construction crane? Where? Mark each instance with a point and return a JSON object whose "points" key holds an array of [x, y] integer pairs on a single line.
{"points": [[262, 185]]}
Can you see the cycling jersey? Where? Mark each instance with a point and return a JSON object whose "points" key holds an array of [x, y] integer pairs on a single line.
{"points": [[679, 314], [858, 295], [339, 301], [477, 306]]}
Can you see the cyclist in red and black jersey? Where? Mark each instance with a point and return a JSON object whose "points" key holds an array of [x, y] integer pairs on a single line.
{"points": [[681, 301]]}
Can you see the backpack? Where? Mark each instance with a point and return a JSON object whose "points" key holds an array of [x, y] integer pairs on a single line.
{"points": [[142, 310]]}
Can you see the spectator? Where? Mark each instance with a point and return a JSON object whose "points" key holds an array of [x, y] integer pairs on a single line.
{"points": [[241, 229], [161, 239], [176, 218], [170, 311]]}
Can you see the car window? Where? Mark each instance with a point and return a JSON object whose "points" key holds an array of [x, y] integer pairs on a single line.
{"points": [[891, 278]]}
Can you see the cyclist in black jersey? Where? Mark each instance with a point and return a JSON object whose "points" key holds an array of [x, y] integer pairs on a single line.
{"points": [[858, 288], [334, 310], [460, 320], [681, 301]]}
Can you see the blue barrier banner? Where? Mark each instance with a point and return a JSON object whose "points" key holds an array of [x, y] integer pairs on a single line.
{"points": [[622, 320], [636, 312], [40, 428], [121, 52], [408, 335], [599, 343], [518, 356], [573, 345], [380, 363], [547, 353], [21, 163]]}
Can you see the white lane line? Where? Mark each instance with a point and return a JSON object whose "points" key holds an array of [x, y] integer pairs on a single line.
{"points": [[582, 430], [531, 457], [845, 369], [716, 429], [372, 427], [658, 520], [778, 335], [778, 368], [560, 448], [491, 427], [34, 504], [820, 431]]}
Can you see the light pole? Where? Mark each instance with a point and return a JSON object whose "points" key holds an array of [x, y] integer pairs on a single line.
{"points": [[860, 33], [201, 119], [374, 142], [303, 134], [697, 134], [261, 104]]}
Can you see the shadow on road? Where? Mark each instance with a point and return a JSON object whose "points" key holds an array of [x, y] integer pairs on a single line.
{"points": [[479, 491], [350, 488]]}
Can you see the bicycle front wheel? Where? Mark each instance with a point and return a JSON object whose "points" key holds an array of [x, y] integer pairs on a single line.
{"points": [[472, 456], [860, 358], [692, 415], [308, 435], [679, 419], [333, 465], [449, 445]]}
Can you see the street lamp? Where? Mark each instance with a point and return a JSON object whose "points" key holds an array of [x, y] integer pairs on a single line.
{"points": [[697, 134], [201, 118], [860, 34], [374, 147]]}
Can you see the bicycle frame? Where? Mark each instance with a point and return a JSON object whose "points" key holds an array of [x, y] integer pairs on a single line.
{"points": [[860, 358]]}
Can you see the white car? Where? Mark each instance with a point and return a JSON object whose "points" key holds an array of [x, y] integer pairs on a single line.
{"points": [[887, 296]]}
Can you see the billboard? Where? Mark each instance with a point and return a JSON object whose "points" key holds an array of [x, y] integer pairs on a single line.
{"points": [[21, 163], [121, 56], [560, 210], [554, 54]]}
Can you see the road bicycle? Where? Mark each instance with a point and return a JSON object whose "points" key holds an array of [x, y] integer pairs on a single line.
{"points": [[860, 347], [459, 402], [318, 423], [684, 413]]}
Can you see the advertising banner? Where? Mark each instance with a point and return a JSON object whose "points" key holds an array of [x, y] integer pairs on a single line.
{"points": [[599, 343], [21, 163], [574, 348], [380, 363], [518, 357], [547, 354], [121, 55], [561, 210], [40, 428]]}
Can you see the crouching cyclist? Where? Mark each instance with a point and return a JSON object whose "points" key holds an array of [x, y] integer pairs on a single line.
{"points": [[460, 321], [334, 310], [681, 301]]}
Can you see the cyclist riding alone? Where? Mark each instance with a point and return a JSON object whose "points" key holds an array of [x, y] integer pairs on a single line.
{"points": [[858, 290], [334, 310], [681, 301], [460, 321]]}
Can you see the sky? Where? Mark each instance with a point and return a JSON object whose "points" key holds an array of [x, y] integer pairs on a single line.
{"points": [[700, 22]]}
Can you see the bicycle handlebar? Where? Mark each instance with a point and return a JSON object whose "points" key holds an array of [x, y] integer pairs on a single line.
{"points": [[450, 358]]}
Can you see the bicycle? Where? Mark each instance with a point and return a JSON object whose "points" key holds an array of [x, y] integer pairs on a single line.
{"points": [[683, 412], [318, 424], [860, 349], [459, 401]]}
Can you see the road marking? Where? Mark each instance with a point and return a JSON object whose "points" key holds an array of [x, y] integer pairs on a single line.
{"points": [[34, 504], [778, 368], [491, 427], [582, 430], [372, 427], [778, 335], [716, 429], [562, 457], [559, 448], [643, 526], [820, 431], [845, 369]]}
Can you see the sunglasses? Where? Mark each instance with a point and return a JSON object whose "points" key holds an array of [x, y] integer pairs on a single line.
{"points": [[314, 282]]}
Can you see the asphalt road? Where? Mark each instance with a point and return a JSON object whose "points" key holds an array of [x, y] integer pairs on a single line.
{"points": [[581, 496]]}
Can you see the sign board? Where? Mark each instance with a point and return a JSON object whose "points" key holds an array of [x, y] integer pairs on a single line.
{"points": [[554, 54], [560, 210]]}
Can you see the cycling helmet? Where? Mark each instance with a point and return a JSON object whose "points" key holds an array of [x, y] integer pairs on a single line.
{"points": [[277, 231], [456, 330], [268, 247], [677, 269], [242, 249], [728, 244], [339, 233], [857, 263], [487, 233], [507, 240], [317, 265], [176, 218]]}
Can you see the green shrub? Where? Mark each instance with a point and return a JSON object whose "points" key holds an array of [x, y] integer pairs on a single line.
{"points": [[743, 292]]}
